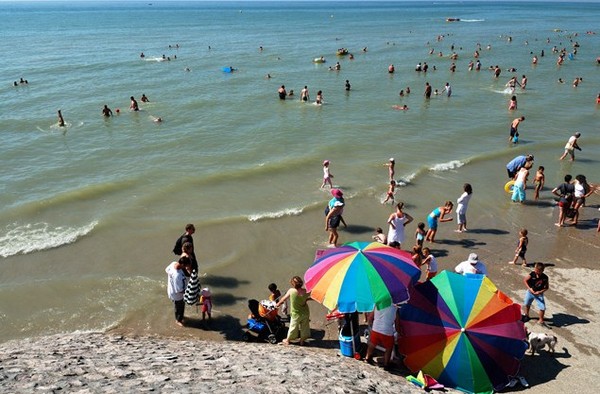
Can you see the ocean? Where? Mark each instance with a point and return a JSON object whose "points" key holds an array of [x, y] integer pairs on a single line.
{"points": [[89, 212]]}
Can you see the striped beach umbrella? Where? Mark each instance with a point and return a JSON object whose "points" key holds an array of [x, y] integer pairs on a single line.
{"points": [[359, 276]]}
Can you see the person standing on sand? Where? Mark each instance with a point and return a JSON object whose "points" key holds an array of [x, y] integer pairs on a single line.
{"points": [[537, 284], [300, 314], [461, 208], [61, 120], [382, 333], [570, 146], [521, 248], [397, 221], [514, 129], [434, 216], [539, 181], [176, 284], [332, 222]]}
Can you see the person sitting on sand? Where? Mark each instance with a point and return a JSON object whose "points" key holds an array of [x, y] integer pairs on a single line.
{"points": [[471, 266], [379, 236], [300, 314]]}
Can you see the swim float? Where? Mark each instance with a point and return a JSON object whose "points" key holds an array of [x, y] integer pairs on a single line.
{"points": [[509, 186]]}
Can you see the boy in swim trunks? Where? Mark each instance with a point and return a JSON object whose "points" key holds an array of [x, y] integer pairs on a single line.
{"points": [[538, 181], [390, 192], [514, 126]]}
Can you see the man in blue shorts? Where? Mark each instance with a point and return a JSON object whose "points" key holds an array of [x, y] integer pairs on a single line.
{"points": [[537, 283]]}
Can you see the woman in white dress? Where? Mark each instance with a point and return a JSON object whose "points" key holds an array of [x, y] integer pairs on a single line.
{"points": [[397, 221]]}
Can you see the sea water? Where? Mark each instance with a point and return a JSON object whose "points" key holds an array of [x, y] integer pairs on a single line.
{"points": [[89, 212]]}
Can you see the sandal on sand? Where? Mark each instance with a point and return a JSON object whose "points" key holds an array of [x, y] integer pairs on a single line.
{"points": [[523, 381]]}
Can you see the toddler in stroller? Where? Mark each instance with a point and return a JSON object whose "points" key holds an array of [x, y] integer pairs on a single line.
{"points": [[264, 321]]}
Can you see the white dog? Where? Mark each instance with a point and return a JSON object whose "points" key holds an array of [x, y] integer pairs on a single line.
{"points": [[538, 341]]}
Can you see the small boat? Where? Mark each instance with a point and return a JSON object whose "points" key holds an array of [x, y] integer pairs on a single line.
{"points": [[342, 52], [452, 19]]}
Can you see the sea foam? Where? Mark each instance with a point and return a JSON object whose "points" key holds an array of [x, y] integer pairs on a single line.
{"points": [[275, 215], [451, 165], [29, 238]]}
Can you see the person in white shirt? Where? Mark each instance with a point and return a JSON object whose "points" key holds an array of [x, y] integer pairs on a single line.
{"points": [[471, 266], [461, 209], [571, 146], [382, 333], [176, 284]]}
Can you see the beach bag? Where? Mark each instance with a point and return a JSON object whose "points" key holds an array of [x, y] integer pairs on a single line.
{"points": [[192, 291]]}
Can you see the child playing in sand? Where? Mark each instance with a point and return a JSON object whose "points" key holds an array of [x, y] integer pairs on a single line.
{"points": [[521, 248], [420, 234], [390, 192], [379, 236], [326, 175], [538, 181], [431, 262]]}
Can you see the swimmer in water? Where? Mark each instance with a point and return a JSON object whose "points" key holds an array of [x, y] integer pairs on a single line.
{"points": [[157, 120], [134, 105], [106, 111], [401, 107], [144, 99], [61, 120]]}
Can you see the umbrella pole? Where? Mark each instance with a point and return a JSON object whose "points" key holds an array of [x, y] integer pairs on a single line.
{"points": [[352, 333]]}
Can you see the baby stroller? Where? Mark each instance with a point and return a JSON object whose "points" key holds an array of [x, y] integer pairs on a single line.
{"points": [[264, 322]]}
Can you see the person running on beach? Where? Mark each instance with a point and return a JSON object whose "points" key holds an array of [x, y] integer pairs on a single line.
{"points": [[538, 181], [390, 192], [304, 96], [461, 208], [514, 129], [571, 146], [521, 248], [537, 284], [106, 111], [134, 105], [397, 221], [436, 215], [300, 313], [327, 175], [61, 120], [390, 166]]}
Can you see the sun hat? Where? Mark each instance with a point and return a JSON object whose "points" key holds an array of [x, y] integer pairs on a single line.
{"points": [[337, 193], [325, 162], [473, 258], [392, 159]]}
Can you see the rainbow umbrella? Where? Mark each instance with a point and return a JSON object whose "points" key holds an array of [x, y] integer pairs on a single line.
{"points": [[358, 276], [462, 331]]}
